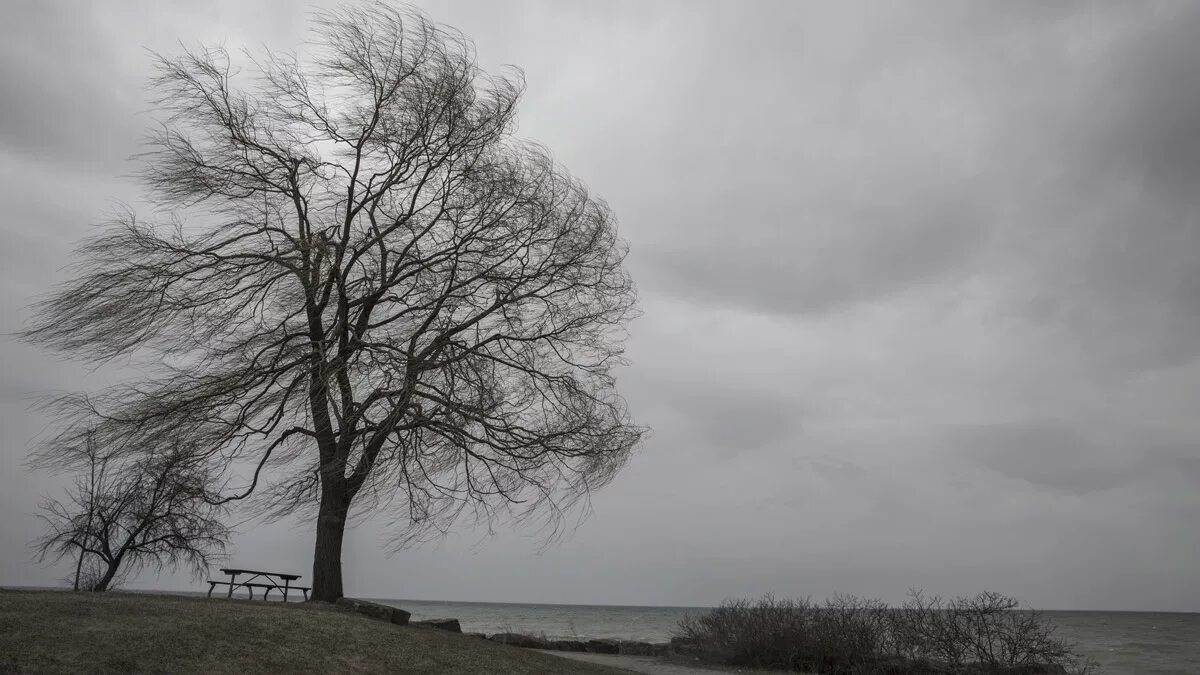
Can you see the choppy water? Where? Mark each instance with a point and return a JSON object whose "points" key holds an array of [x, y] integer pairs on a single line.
{"points": [[1122, 643]]}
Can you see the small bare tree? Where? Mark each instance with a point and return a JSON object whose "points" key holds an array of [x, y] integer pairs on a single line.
{"points": [[382, 295], [153, 511]]}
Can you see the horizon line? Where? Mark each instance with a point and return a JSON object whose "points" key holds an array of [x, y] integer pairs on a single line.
{"points": [[566, 604]]}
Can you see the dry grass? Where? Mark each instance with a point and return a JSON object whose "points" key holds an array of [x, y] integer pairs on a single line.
{"points": [[61, 632]]}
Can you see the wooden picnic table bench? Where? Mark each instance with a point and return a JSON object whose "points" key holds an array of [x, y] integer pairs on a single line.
{"points": [[268, 581]]}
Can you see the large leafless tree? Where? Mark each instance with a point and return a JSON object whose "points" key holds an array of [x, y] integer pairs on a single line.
{"points": [[370, 291]]}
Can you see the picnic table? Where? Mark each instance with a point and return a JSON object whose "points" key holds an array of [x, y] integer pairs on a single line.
{"points": [[268, 581]]}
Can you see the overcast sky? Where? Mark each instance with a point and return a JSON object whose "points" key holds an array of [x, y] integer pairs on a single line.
{"points": [[920, 281]]}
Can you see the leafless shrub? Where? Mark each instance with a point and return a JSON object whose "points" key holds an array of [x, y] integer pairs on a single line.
{"points": [[982, 635], [766, 633], [988, 632], [845, 630]]}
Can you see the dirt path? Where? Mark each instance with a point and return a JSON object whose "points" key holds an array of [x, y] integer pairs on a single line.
{"points": [[651, 665]]}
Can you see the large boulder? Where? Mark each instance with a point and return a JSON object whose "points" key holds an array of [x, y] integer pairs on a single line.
{"points": [[683, 645], [451, 625], [518, 640], [604, 646], [375, 610]]}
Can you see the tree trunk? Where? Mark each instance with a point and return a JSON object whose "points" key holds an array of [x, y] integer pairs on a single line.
{"points": [[79, 567], [105, 580], [91, 499], [327, 558]]}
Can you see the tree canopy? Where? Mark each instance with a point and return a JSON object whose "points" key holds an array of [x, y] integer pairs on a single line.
{"points": [[367, 289]]}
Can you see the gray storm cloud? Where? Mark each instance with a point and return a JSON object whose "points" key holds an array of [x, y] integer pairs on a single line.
{"points": [[921, 288]]}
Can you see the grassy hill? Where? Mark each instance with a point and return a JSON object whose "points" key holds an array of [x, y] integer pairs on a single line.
{"points": [[47, 631]]}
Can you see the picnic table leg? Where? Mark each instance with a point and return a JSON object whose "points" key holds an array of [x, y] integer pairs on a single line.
{"points": [[232, 579], [305, 595], [286, 583], [266, 592], [211, 585], [250, 590]]}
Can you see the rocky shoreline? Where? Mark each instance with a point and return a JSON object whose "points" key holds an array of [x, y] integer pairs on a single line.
{"points": [[401, 617], [677, 646]]}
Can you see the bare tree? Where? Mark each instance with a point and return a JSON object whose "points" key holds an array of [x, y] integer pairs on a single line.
{"points": [[371, 294], [152, 511]]}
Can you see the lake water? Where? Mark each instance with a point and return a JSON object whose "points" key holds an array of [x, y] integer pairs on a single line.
{"points": [[1122, 643]]}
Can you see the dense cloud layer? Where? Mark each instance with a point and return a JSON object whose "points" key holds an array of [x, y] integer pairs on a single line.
{"points": [[921, 288]]}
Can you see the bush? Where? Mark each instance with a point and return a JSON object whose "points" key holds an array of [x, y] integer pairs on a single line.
{"points": [[982, 635], [988, 630], [768, 633]]}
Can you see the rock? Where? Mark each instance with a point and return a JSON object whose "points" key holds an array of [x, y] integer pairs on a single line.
{"points": [[451, 625], [638, 648], [518, 640], [631, 647], [604, 646], [375, 610], [682, 645]]}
